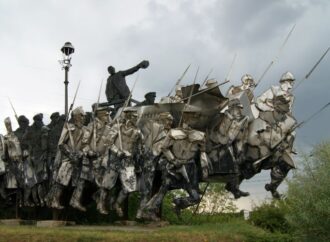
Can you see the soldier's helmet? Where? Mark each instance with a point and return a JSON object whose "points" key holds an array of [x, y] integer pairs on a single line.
{"points": [[22, 120], [287, 76], [211, 83], [7, 120], [78, 111], [102, 111], [38, 117], [235, 103], [165, 115], [247, 79]]}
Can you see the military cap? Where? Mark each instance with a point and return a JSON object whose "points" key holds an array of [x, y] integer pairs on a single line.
{"points": [[22, 118], [150, 94], [78, 111], [100, 111], [211, 83], [38, 117], [7, 120], [287, 76], [235, 103], [54, 115], [165, 115]]}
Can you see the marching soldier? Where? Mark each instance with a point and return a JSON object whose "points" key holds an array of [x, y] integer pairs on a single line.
{"points": [[227, 139], [125, 142], [180, 148], [73, 140], [36, 138], [13, 159], [248, 84], [265, 101], [154, 132]]}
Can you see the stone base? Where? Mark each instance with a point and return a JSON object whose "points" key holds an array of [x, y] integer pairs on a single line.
{"points": [[158, 224], [15, 222], [126, 223], [54, 223]]}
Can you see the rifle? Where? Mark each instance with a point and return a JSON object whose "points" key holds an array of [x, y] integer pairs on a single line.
{"points": [[207, 77], [276, 146], [179, 80], [313, 68], [189, 98], [94, 116], [276, 57], [12, 106]]}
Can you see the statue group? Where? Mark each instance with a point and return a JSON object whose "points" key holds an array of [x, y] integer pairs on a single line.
{"points": [[196, 135]]}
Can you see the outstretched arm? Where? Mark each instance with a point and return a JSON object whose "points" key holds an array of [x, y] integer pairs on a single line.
{"points": [[143, 64]]}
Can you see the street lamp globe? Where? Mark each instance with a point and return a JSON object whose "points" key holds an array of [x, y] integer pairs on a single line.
{"points": [[67, 49]]}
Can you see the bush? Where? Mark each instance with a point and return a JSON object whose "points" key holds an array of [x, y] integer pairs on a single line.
{"points": [[270, 216], [308, 197]]}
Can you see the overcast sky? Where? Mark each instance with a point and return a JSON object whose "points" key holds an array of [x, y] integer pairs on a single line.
{"points": [[170, 34]]}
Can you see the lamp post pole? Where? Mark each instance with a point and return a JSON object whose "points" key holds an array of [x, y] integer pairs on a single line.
{"points": [[67, 51]]}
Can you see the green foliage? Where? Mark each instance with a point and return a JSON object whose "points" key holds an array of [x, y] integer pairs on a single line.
{"points": [[308, 198], [270, 216]]}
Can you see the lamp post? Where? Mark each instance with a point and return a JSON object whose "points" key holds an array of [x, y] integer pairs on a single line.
{"points": [[67, 51]]}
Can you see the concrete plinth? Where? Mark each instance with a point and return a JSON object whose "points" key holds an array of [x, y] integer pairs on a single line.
{"points": [[54, 223]]}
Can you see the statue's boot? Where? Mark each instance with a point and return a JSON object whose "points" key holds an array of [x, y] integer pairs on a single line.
{"points": [[55, 201], [35, 195], [120, 199], [102, 201], [27, 193], [42, 195], [273, 189], [75, 201]]}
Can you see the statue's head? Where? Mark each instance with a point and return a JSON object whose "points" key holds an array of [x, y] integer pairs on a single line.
{"points": [[78, 115], [55, 116], [248, 81], [235, 108], [38, 120], [103, 115], [131, 116], [8, 125], [111, 70], [166, 119], [287, 81], [150, 97], [23, 121]]}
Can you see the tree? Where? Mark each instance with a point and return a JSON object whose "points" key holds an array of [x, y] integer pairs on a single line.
{"points": [[308, 196]]}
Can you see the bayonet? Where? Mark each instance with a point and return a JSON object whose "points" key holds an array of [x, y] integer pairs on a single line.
{"points": [[313, 68], [189, 98], [276, 57], [12, 106], [231, 67], [179, 80], [94, 117], [207, 77]]}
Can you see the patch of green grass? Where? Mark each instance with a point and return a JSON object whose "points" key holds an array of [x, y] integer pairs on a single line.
{"points": [[235, 230]]}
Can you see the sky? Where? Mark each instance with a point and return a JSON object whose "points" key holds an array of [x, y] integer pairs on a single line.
{"points": [[171, 35]]}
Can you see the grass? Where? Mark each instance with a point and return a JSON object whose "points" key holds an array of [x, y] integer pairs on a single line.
{"points": [[235, 230]]}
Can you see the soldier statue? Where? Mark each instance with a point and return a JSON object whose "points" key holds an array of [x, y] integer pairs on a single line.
{"points": [[154, 132], [13, 159], [226, 141], [149, 99], [73, 140], [248, 84], [3, 171], [125, 142], [36, 138], [117, 90], [265, 101], [180, 149]]}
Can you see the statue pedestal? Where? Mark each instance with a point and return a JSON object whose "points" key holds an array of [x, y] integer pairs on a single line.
{"points": [[16, 222], [54, 223]]}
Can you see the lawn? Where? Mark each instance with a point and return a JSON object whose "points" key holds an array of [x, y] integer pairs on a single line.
{"points": [[236, 230]]}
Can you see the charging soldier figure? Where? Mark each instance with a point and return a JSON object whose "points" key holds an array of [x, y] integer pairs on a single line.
{"points": [[36, 138], [181, 148], [154, 132], [72, 142], [13, 160], [227, 140], [125, 142], [2, 169], [248, 84], [265, 101]]}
